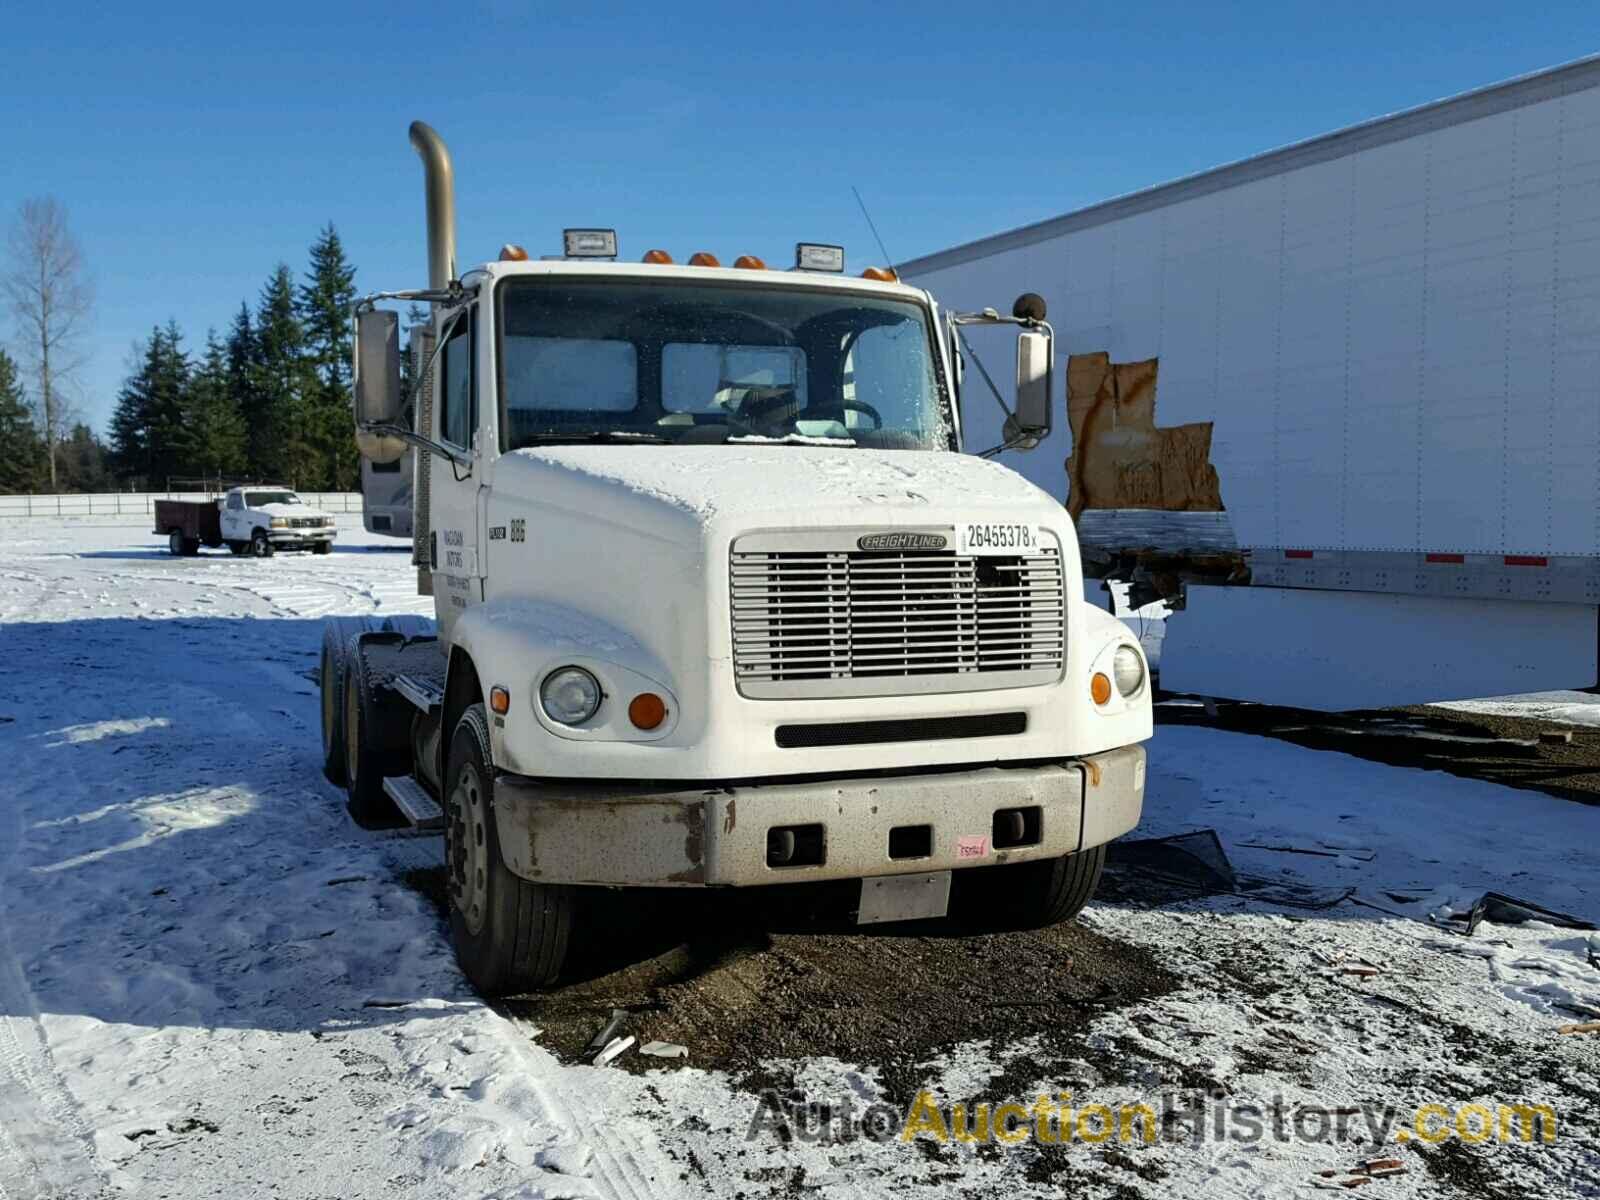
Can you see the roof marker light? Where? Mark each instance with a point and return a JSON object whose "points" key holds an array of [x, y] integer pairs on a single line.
{"points": [[590, 243], [659, 257], [881, 274], [749, 262], [701, 259], [511, 252], [809, 256]]}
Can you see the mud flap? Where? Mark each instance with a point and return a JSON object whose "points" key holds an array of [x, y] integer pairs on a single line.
{"points": [[904, 898]]}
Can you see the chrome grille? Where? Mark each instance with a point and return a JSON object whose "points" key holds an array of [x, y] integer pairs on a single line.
{"points": [[305, 522], [844, 622]]}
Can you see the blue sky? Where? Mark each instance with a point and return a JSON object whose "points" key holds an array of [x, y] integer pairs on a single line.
{"points": [[196, 147]]}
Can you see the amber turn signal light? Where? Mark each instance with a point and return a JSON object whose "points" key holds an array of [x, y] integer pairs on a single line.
{"points": [[500, 700], [647, 710], [1099, 687]]}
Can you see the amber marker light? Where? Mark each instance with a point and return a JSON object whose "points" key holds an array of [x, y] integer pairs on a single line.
{"points": [[660, 257], [881, 274], [1100, 687], [647, 710], [749, 262], [511, 252], [701, 259], [500, 700]]}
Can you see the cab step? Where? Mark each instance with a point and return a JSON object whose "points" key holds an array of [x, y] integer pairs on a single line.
{"points": [[414, 803], [425, 694]]}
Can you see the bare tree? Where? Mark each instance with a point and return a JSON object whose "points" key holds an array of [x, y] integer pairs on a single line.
{"points": [[48, 291]]}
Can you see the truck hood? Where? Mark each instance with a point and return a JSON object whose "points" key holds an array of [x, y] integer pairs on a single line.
{"points": [[676, 492], [291, 510]]}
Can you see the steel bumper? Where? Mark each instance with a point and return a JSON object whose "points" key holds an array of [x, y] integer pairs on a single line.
{"points": [[625, 834]]}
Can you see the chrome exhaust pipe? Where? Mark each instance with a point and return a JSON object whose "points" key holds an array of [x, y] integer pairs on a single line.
{"points": [[439, 177]]}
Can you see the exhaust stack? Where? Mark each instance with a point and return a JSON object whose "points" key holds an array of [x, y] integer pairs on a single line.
{"points": [[439, 177]]}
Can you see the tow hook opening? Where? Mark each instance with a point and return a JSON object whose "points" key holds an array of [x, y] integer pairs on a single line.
{"points": [[1017, 827], [911, 841], [796, 846]]}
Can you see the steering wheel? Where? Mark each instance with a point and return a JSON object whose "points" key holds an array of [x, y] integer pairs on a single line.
{"points": [[860, 406]]}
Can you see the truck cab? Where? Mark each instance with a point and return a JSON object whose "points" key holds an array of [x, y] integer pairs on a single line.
{"points": [[722, 603]]}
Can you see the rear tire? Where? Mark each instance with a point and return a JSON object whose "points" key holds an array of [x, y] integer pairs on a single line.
{"points": [[373, 748], [175, 543], [1029, 895], [510, 935], [322, 547], [331, 680], [191, 547], [261, 544]]}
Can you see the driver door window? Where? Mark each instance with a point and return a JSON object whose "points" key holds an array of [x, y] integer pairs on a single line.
{"points": [[458, 398]]}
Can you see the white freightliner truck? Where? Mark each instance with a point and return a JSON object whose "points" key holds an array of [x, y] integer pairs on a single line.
{"points": [[720, 602]]}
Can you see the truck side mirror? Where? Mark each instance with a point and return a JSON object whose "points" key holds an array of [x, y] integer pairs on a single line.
{"points": [[1030, 423], [377, 383]]}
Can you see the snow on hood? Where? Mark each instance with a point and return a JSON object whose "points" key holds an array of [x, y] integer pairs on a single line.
{"points": [[707, 481]]}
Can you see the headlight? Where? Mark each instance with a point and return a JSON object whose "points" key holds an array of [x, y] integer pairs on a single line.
{"points": [[570, 695], [1127, 667], [280, 522]]}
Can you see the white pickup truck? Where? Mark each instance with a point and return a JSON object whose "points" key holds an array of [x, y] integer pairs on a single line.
{"points": [[721, 603], [259, 519]]}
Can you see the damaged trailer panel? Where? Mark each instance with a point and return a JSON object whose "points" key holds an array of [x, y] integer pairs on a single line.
{"points": [[1368, 363]]}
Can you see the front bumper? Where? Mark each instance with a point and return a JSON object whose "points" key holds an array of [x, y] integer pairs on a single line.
{"points": [[636, 835], [301, 537]]}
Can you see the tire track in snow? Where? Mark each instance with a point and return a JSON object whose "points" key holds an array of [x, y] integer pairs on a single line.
{"points": [[45, 1151]]}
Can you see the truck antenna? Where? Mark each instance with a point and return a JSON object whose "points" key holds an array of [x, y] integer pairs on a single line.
{"points": [[887, 261]]}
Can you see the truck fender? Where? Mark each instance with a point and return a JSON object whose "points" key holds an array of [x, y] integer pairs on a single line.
{"points": [[539, 635]]}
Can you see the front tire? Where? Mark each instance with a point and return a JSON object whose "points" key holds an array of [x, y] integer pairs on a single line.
{"points": [[261, 544], [510, 935], [1029, 895], [322, 548]]}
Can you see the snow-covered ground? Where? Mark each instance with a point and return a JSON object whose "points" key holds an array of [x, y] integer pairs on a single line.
{"points": [[213, 983]]}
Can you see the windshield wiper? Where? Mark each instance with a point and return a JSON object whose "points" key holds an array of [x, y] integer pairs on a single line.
{"points": [[596, 435]]}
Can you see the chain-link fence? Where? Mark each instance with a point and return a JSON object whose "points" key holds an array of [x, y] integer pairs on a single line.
{"points": [[133, 504]]}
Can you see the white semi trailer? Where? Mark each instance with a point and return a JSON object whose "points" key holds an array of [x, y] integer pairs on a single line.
{"points": [[1338, 404], [721, 603]]}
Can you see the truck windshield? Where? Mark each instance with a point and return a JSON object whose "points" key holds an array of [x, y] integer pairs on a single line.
{"points": [[261, 499], [714, 363]]}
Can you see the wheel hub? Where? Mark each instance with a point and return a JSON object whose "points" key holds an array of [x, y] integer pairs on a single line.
{"points": [[467, 853]]}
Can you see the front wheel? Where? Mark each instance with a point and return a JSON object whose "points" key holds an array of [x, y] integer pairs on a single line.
{"points": [[510, 935], [322, 547], [1029, 895], [261, 544]]}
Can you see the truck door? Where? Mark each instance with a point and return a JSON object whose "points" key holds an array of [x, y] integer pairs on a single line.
{"points": [[453, 538], [232, 507]]}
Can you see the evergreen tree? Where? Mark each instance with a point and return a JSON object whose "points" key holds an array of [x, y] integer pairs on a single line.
{"points": [[213, 428], [147, 434], [324, 309], [287, 382], [243, 366], [82, 462], [21, 448]]}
